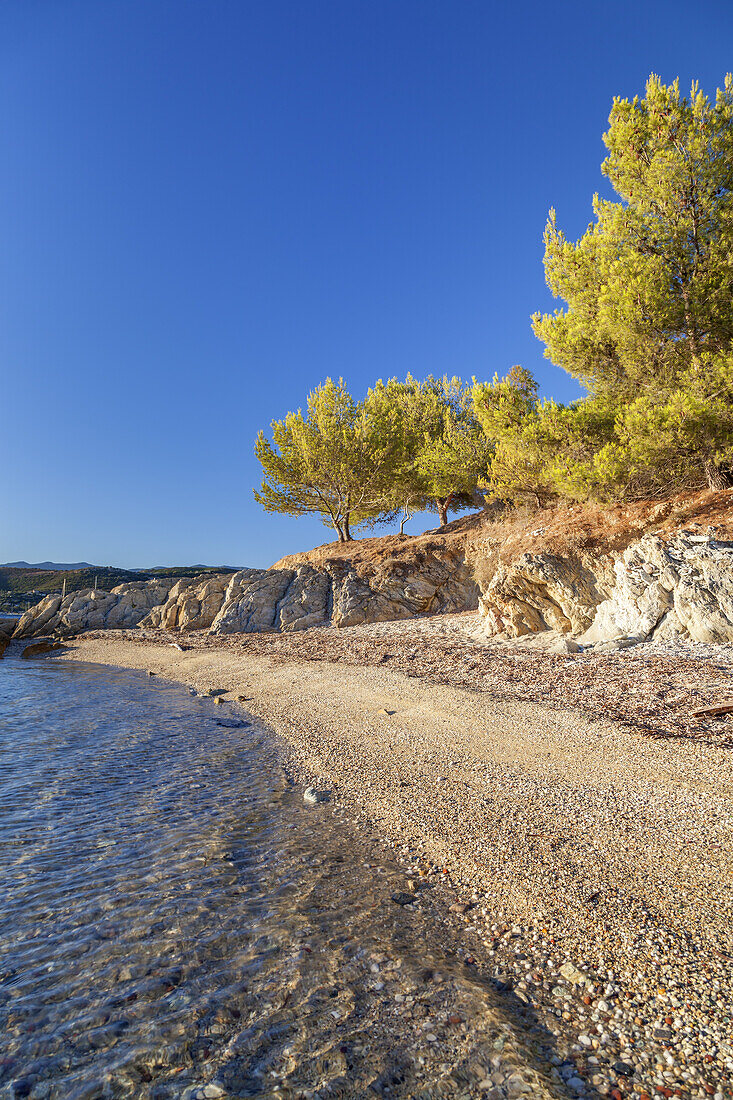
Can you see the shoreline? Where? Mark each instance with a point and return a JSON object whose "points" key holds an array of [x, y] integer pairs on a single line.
{"points": [[367, 731], [570, 842]]}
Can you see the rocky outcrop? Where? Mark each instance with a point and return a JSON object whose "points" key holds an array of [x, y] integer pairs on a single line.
{"points": [[680, 587], [544, 592], [250, 601], [257, 600], [432, 583], [124, 607], [7, 627], [191, 603], [253, 601], [334, 591], [659, 587], [38, 649], [573, 577]]}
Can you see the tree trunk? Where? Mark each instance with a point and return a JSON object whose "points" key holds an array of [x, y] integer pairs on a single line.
{"points": [[718, 477], [347, 529], [337, 529], [406, 515], [442, 506], [691, 327]]}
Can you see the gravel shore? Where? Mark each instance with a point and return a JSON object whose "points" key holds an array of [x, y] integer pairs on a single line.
{"points": [[579, 813]]}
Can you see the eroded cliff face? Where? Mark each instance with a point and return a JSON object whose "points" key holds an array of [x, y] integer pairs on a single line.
{"points": [[615, 585], [596, 577], [539, 592], [678, 587], [333, 592]]}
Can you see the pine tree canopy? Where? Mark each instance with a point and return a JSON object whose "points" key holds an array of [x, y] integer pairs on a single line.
{"points": [[647, 329]]}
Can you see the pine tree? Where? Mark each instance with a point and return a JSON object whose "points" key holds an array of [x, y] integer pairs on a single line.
{"points": [[335, 460], [444, 453], [648, 327]]}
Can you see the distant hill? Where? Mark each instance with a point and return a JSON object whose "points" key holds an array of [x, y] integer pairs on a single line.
{"points": [[37, 580], [187, 570], [47, 565]]}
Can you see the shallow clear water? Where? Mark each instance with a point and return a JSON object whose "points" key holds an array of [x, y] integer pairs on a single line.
{"points": [[174, 922]]}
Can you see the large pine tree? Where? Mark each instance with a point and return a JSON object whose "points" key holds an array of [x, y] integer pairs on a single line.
{"points": [[649, 287]]}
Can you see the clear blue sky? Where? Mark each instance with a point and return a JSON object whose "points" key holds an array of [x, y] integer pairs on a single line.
{"points": [[209, 206]]}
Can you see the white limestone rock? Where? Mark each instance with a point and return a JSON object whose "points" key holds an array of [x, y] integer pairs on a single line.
{"points": [[251, 601], [306, 601], [257, 600], [192, 604], [122, 608], [660, 588], [542, 592]]}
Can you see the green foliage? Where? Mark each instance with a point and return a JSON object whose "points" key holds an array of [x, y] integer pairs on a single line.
{"points": [[335, 460], [502, 405], [665, 442], [21, 581], [444, 454], [508, 412], [648, 327], [409, 445]]}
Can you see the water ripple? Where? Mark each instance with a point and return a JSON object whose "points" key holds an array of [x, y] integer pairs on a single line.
{"points": [[176, 924]]}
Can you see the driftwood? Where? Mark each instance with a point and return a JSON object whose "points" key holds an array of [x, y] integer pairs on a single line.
{"points": [[714, 708]]}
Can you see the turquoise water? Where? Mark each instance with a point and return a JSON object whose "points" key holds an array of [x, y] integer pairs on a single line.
{"points": [[175, 920]]}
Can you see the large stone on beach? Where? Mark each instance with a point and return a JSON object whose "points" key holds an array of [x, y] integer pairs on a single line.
{"points": [[39, 648], [7, 627]]}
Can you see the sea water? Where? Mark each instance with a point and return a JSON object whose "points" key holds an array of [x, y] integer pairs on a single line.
{"points": [[176, 923]]}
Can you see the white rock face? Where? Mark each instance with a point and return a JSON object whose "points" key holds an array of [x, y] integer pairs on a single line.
{"points": [[252, 601], [544, 592], [257, 600], [660, 588], [401, 590], [192, 603], [666, 589], [124, 607]]}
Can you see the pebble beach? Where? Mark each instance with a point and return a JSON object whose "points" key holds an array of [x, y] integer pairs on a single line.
{"points": [[583, 862]]}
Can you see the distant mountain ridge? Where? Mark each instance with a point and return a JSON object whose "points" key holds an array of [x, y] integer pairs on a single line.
{"points": [[66, 566]]}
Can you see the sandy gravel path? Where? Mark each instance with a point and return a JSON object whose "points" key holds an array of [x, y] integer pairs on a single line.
{"points": [[594, 844]]}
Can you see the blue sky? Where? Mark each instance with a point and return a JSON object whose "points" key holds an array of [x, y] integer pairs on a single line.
{"points": [[208, 207]]}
